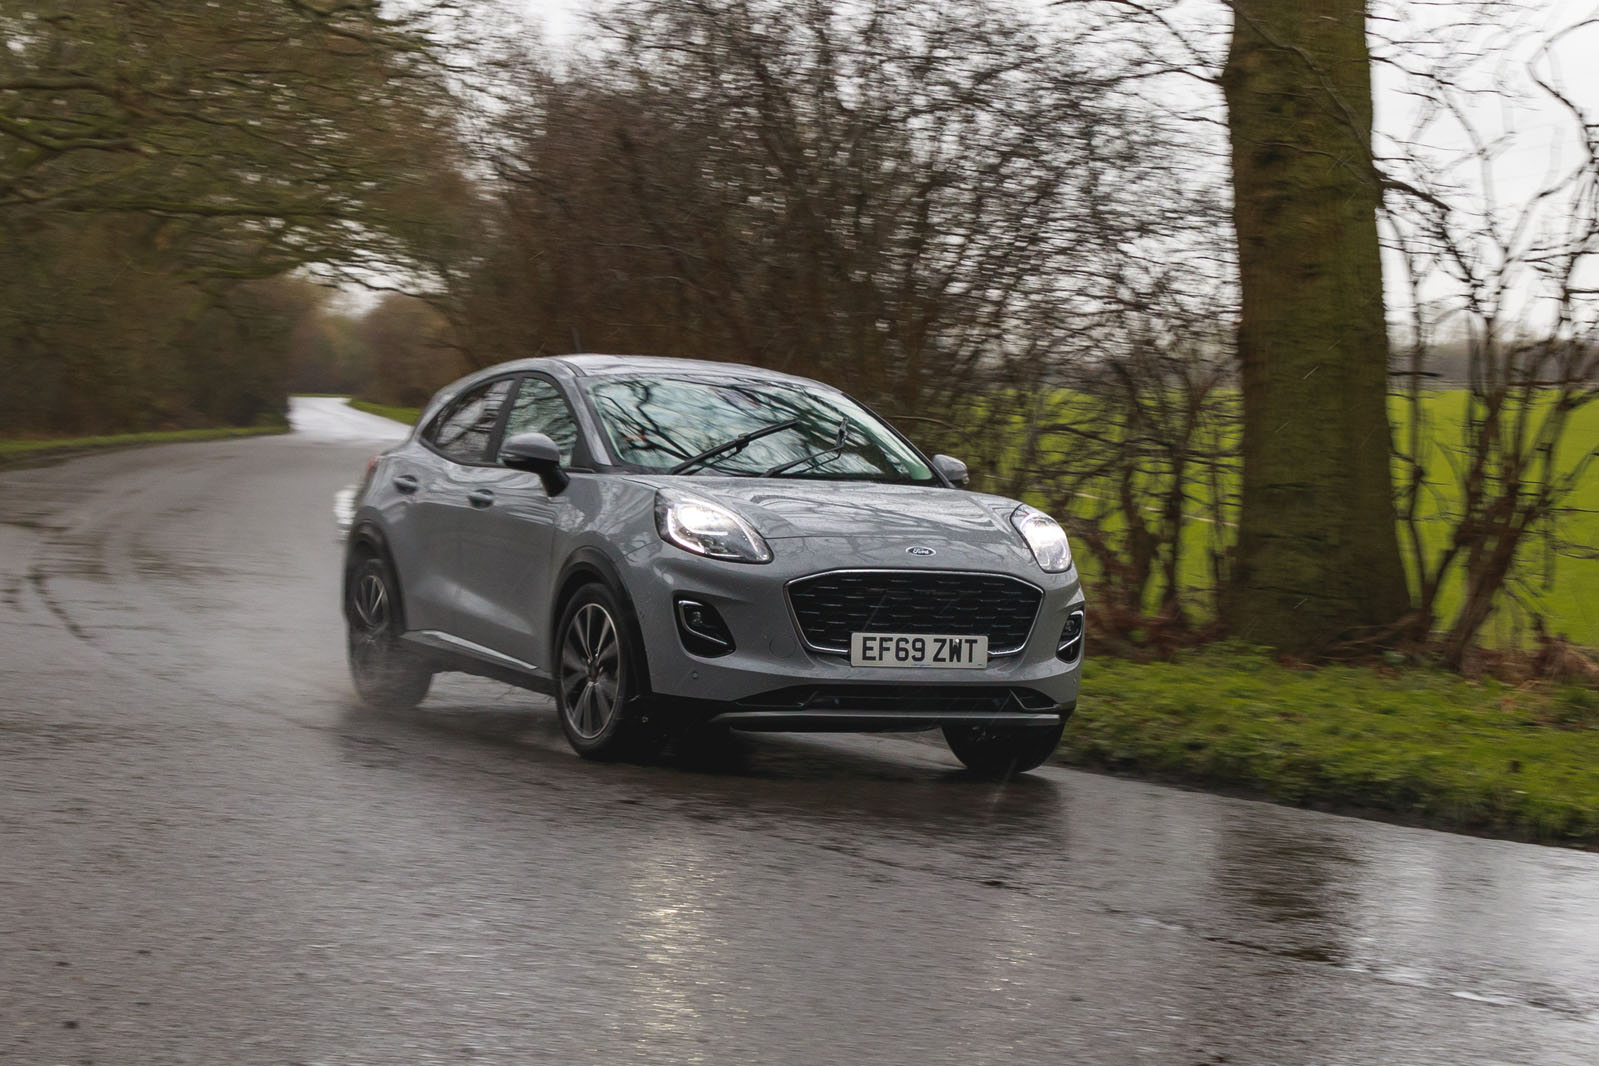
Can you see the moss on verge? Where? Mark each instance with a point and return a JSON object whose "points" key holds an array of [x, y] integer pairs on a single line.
{"points": [[1416, 744]]}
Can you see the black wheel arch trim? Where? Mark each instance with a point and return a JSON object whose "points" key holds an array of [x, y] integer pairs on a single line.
{"points": [[584, 566], [367, 534]]}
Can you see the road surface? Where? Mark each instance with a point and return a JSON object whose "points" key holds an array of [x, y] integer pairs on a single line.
{"points": [[210, 854]]}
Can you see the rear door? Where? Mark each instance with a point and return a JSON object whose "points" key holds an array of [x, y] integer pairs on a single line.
{"points": [[507, 542]]}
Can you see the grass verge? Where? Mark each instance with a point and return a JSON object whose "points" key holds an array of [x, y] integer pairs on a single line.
{"points": [[17, 452], [1415, 745], [408, 415]]}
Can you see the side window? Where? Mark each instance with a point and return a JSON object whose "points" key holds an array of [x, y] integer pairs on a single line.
{"points": [[540, 408], [462, 433]]}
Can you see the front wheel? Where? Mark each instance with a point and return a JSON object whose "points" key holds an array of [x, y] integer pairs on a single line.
{"points": [[597, 683], [1000, 751], [386, 673]]}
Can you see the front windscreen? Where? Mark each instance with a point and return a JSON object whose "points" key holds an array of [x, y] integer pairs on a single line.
{"points": [[666, 425]]}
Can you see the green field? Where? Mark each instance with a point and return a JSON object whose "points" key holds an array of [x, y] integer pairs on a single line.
{"points": [[1563, 588]]}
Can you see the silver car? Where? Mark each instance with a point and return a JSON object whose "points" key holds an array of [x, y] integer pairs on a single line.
{"points": [[665, 544]]}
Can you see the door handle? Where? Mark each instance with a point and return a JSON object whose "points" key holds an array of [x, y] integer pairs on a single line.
{"points": [[407, 484], [481, 497]]}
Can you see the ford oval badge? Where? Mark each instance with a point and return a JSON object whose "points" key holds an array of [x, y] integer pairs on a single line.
{"points": [[918, 550]]}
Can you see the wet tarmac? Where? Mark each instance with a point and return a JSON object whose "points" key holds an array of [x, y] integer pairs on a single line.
{"points": [[210, 854]]}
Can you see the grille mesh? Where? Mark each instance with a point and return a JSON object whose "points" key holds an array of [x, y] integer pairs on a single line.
{"points": [[829, 607]]}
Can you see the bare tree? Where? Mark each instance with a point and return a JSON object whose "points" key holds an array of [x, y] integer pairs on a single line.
{"points": [[900, 198], [1140, 459], [1510, 277]]}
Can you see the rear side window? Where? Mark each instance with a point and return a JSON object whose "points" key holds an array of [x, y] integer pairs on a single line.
{"points": [[540, 408], [462, 432]]}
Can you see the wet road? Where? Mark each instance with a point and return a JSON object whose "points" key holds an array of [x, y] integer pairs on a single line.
{"points": [[210, 854]]}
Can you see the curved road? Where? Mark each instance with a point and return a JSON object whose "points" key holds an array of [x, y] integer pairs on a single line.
{"points": [[210, 854]]}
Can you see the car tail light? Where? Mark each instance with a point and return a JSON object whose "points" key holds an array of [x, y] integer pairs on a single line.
{"points": [[366, 478]]}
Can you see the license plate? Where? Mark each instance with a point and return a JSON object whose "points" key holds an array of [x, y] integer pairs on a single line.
{"points": [[918, 649]]}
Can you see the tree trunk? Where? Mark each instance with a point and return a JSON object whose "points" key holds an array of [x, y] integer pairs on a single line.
{"points": [[1318, 552]]}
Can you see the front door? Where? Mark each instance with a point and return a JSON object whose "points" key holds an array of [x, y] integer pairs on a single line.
{"points": [[507, 564]]}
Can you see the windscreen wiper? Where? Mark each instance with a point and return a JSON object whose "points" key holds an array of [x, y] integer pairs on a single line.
{"points": [[837, 446], [732, 447]]}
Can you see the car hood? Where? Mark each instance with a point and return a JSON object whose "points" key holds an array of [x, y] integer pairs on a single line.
{"points": [[786, 509]]}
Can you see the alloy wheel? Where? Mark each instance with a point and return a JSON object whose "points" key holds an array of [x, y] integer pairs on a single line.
{"points": [[370, 628], [591, 671]]}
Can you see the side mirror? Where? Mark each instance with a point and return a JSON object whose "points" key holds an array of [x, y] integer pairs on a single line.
{"points": [[537, 454], [951, 468]]}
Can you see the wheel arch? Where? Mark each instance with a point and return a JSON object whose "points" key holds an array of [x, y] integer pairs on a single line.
{"points": [[589, 565], [366, 541]]}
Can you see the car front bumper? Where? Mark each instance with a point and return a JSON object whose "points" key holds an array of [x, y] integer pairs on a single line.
{"points": [[772, 680]]}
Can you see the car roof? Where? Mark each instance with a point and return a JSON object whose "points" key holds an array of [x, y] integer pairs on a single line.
{"points": [[594, 365], [597, 365]]}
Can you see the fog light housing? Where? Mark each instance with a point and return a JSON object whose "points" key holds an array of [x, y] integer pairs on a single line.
{"points": [[701, 628], [1070, 647]]}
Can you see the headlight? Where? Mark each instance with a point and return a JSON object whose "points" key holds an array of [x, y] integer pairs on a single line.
{"points": [[707, 528], [1044, 535]]}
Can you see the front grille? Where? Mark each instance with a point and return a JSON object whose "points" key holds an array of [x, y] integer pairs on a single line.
{"points": [[829, 607]]}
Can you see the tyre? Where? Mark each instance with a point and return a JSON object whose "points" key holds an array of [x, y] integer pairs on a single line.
{"points": [[598, 680], [1000, 751], [386, 673]]}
